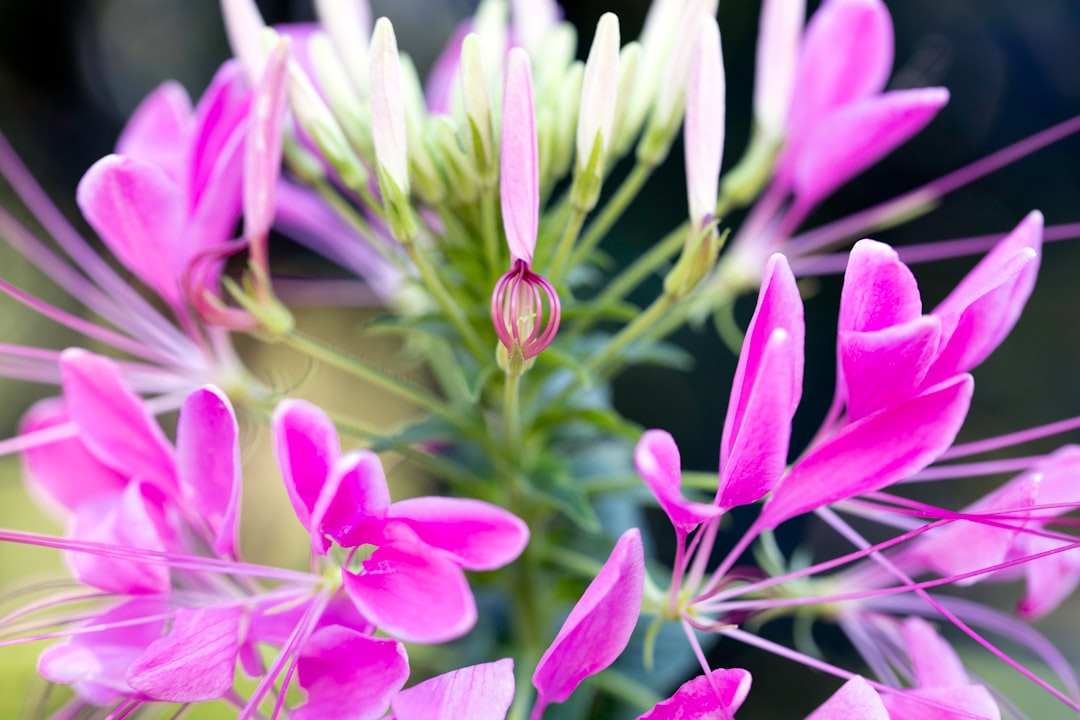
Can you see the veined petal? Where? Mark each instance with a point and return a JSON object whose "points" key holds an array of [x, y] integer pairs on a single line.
{"points": [[704, 123], [478, 692], [159, 131], [349, 675], [519, 179], [139, 211], [195, 661], [353, 501], [414, 593], [656, 458], [716, 695], [208, 464], [879, 290], [964, 701], [599, 626], [856, 136], [477, 535], [64, 471], [856, 700], [113, 422], [887, 366], [873, 452], [306, 445], [986, 304], [758, 453], [778, 307]]}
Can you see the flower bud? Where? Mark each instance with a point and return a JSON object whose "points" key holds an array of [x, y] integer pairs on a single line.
{"points": [[525, 311], [244, 26], [779, 34], [388, 111], [475, 100], [599, 89], [341, 94], [704, 132], [348, 23]]}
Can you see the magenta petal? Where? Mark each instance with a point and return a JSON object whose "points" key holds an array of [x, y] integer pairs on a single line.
{"points": [[519, 179], [95, 664], [934, 660], [113, 421], [1050, 579], [477, 535], [599, 626], [985, 306], [759, 452], [857, 136], [306, 445], [413, 593], [160, 130], [856, 700], [778, 307], [888, 366], [656, 458], [353, 502], [134, 519], [349, 675], [966, 701], [195, 661], [879, 289], [208, 464], [479, 692], [716, 695], [138, 210], [873, 452], [64, 471]]}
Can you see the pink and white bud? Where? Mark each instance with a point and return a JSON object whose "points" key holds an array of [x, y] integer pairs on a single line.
{"points": [[629, 58], [388, 106], [533, 20], [475, 98], [671, 94], [705, 110], [348, 23], [338, 88], [262, 152], [779, 38], [244, 26], [492, 24], [599, 91], [519, 181], [525, 311]]}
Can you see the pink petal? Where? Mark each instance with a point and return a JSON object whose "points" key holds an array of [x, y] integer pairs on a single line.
{"points": [[477, 535], [759, 451], [262, 151], [656, 458], [856, 700], [886, 367], [873, 452], [479, 692], [64, 471], [195, 661], [856, 136], [966, 701], [160, 130], [221, 118], [519, 179], [208, 464], [879, 289], [706, 697], [443, 78], [599, 626], [113, 422], [95, 663], [1050, 579], [983, 308], [306, 445], [139, 212], [134, 520], [965, 546], [934, 660], [778, 307], [413, 593], [349, 675], [353, 503], [704, 124]]}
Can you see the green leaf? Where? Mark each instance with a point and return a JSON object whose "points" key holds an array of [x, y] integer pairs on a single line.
{"points": [[553, 483]]}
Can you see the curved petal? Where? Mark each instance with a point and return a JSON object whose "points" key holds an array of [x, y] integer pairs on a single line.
{"points": [[879, 289], [478, 692], [716, 695], [353, 502], [873, 452], [113, 422], [1050, 579], [195, 661], [959, 701], [599, 626], [656, 458], [519, 169], [414, 593], [888, 366], [349, 675], [208, 464], [477, 535], [306, 445], [159, 131], [934, 660], [855, 699], [139, 211]]}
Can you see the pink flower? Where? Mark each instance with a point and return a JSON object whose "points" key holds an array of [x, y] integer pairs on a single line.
{"points": [[716, 695], [478, 692]]}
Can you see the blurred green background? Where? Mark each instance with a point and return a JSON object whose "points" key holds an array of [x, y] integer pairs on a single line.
{"points": [[70, 72]]}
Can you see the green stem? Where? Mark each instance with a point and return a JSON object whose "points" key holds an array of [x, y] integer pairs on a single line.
{"points": [[640, 326], [530, 620], [356, 221], [645, 265], [449, 306], [491, 229], [512, 414], [613, 210], [566, 244]]}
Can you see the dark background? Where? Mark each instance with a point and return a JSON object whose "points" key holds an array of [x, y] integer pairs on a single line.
{"points": [[70, 72]]}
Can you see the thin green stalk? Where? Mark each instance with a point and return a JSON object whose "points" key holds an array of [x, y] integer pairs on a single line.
{"points": [[449, 306], [638, 328], [512, 413], [356, 221], [530, 626], [566, 244], [645, 265], [491, 228], [613, 210]]}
